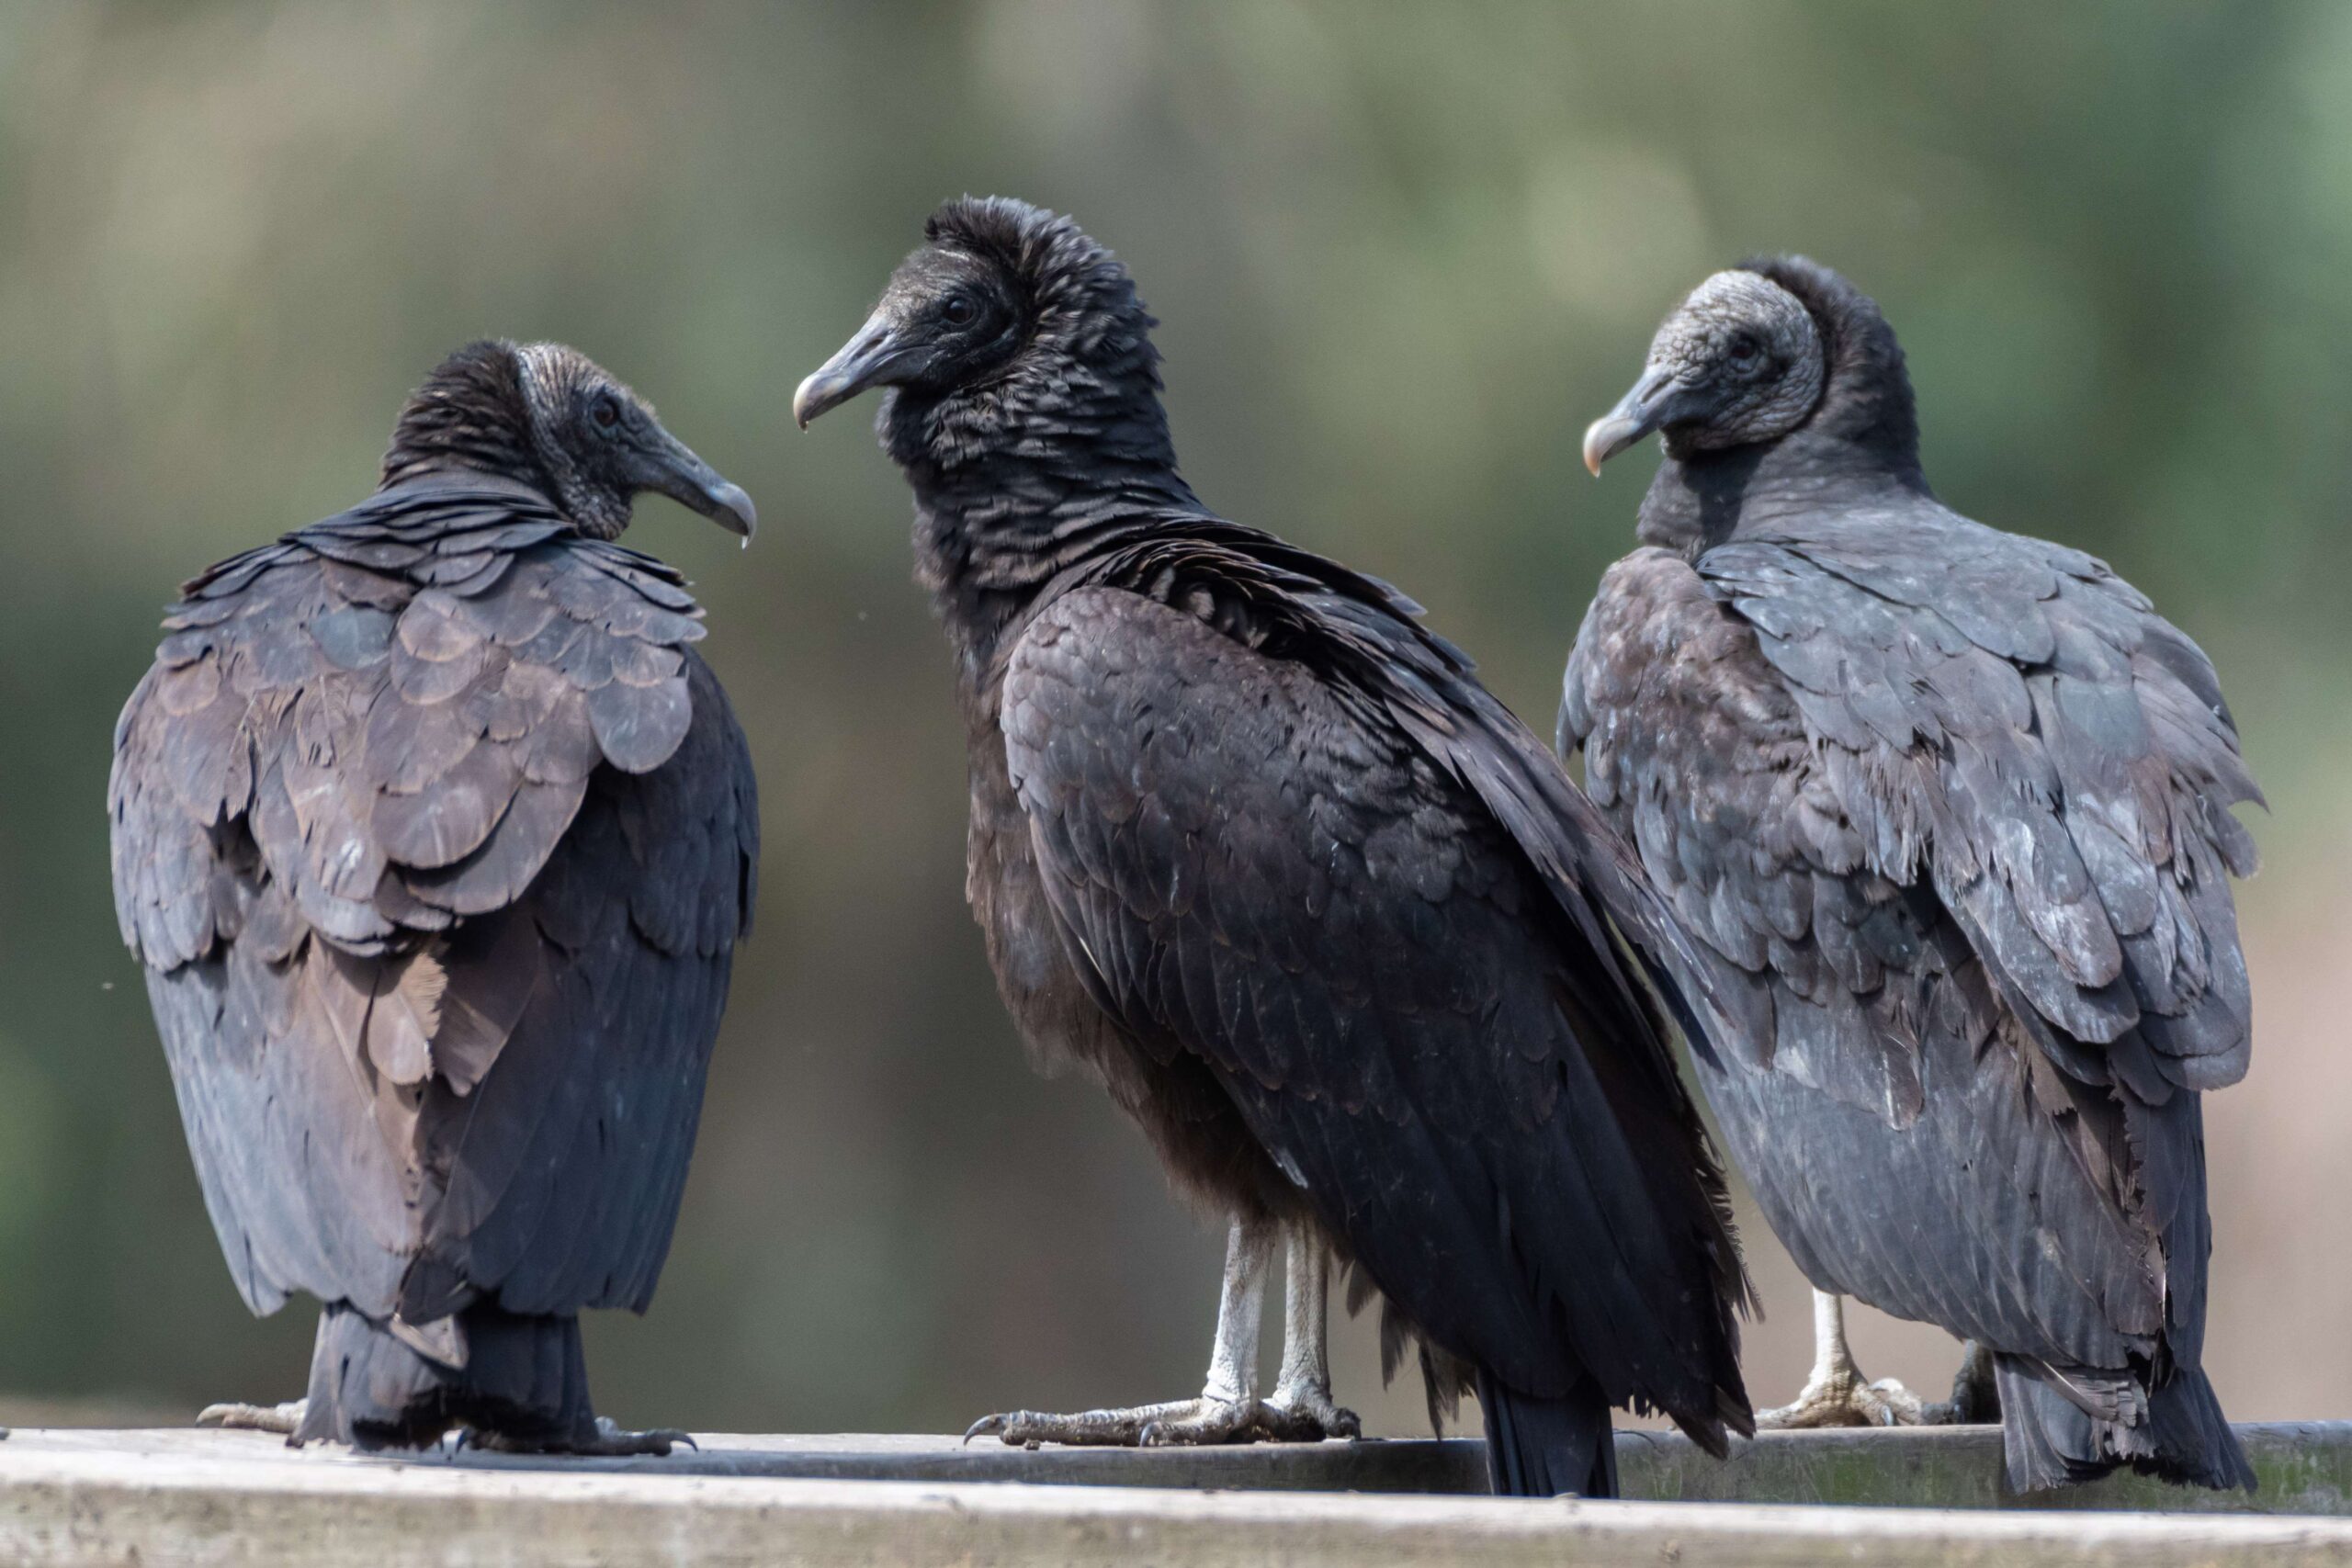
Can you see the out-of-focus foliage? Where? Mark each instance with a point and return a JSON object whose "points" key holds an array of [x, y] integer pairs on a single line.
{"points": [[1403, 253]]}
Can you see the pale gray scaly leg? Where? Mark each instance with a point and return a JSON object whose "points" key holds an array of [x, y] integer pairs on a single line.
{"points": [[1303, 1388], [1228, 1409]]}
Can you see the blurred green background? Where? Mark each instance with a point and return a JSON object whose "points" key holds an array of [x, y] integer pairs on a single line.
{"points": [[1403, 255]]}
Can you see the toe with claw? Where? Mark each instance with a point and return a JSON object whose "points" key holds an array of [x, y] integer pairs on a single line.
{"points": [[1179, 1423], [1844, 1399], [609, 1439], [1315, 1415], [1083, 1428], [1228, 1409], [1837, 1394], [1208, 1422], [612, 1439], [281, 1419]]}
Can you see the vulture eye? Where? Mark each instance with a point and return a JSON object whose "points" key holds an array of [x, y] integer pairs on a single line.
{"points": [[606, 412], [958, 309], [1744, 349]]}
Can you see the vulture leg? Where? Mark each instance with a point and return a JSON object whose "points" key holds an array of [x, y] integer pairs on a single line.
{"points": [[281, 1419], [1837, 1394], [1304, 1389], [1228, 1409], [1976, 1396]]}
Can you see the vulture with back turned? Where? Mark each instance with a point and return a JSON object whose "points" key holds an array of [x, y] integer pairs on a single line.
{"points": [[435, 836], [1260, 852], [1949, 811]]}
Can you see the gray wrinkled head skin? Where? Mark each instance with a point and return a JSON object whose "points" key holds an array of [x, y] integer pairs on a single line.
{"points": [[1749, 347], [1009, 328], [1739, 363], [575, 405], [1020, 398], [548, 416], [602, 446]]}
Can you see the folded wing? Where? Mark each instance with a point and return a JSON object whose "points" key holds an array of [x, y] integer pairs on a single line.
{"points": [[1255, 860], [435, 836]]}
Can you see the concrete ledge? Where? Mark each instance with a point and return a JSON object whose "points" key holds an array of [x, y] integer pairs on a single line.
{"points": [[2305, 1468], [125, 1498], [2301, 1467]]}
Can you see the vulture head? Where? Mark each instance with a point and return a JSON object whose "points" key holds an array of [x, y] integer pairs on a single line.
{"points": [[550, 417], [1008, 327], [1739, 362], [1772, 349]]}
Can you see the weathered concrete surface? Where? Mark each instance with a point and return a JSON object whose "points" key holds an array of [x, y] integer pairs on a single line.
{"points": [[2305, 1468], [123, 1498]]}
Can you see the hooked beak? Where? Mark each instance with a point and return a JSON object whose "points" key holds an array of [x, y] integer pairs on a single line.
{"points": [[868, 358], [1655, 401], [672, 469]]}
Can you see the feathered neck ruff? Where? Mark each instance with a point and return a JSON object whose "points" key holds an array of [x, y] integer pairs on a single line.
{"points": [[1865, 433], [473, 412], [1059, 452]]}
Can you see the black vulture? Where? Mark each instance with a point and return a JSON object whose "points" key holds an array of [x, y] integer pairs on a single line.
{"points": [[1324, 918], [1951, 808], [435, 836]]}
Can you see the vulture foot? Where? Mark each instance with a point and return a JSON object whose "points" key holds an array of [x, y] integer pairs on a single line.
{"points": [[1837, 1394], [281, 1419], [609, 1440], [1844, 1399], [612, 1439], [1179, 1423], [1312, 1404]]}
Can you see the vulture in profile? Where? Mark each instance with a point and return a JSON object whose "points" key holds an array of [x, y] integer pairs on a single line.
{"points": [[1949, 811], [435, 837], [1329, 924]]}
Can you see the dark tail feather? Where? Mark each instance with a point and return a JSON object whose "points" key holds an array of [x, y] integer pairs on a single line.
{"points": [[1542, 1448], [520, 1379], [2194, 1442], [2060, 1426]]}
